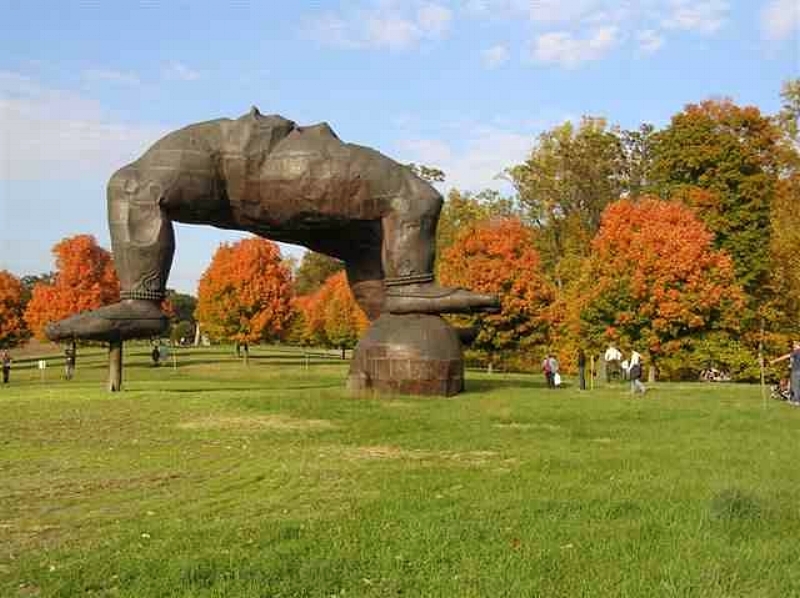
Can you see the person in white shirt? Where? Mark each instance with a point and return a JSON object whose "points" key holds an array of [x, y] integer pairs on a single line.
{"points": [[612, 358]]}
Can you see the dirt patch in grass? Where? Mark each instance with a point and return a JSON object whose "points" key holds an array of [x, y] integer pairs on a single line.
{"points": [[256, 422], [528, 426], [383, 452]]}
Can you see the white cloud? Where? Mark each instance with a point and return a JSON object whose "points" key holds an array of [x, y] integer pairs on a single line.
{"points": [[111, 76], [53, 134], [495, 56], [649, 40], [561, 48], [704, 16], [478, 163], [181, 72], [391, 25], [434, 19], [560, 11], [391, 32], [780, 18]]}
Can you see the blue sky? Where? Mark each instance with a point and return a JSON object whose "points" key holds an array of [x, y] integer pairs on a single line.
{"points": [[85, 87]]}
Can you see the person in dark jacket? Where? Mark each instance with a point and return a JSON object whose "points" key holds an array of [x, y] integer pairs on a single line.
{"points": [[581, 369]]}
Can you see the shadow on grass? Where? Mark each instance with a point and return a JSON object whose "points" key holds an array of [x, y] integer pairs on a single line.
{"points": [[264, 361], [487, 385], [228, 389]]}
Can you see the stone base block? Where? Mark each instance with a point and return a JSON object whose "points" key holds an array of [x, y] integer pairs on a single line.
{"points": [[408, 354]]}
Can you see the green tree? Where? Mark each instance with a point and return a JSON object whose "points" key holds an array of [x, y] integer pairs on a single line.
{"points": [[734, 154], [181, 309], [314, 270], [637, 148], [183, 306], [789, 116], [429, 173], [571, 175]]}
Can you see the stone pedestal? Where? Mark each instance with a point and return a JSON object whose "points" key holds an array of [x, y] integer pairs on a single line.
{"points": [[408, 354]]}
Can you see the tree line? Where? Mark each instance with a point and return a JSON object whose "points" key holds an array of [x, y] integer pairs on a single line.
{"points": [[679, 242]]}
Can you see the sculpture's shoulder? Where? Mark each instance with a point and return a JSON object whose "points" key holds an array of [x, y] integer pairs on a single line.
{"points": [[255, 132], [255, 118]]}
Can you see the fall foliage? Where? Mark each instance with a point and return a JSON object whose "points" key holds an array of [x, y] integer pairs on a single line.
{"points": [[245, 294], [330, 316], [498, 256], [654, 280], [85, 279], [12, 323]]}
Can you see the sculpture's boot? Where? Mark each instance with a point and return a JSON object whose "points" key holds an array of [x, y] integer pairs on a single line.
{"points": [[409, 246], [130, 318], [143, 243], [434, 299]]}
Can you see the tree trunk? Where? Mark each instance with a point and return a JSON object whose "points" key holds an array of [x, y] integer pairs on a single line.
{"points": [[115, 366]]}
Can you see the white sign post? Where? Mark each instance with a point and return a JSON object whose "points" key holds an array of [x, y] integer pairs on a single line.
{"points": [[42, 368]]}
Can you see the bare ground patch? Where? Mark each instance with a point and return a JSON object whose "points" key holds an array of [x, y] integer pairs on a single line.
{"points": [[387, 453], [528, 426], [256, 422]]}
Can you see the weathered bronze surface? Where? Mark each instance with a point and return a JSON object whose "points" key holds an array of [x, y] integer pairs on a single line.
{"points": [[408, 354], [269, 176]]}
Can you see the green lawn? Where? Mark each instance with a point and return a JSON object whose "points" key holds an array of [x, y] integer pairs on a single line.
{"points": [[217, 479]]}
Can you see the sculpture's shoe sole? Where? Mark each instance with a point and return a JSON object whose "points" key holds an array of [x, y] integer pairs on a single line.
{"points": [[118, 322], [439, 300]]}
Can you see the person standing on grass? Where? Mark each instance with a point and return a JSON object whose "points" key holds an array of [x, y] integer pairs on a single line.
{"points": [[69, 363], [5, 360], [612, 358], [635, 373], [794, 377], [555, 377], [581, 369], [548, 373]]}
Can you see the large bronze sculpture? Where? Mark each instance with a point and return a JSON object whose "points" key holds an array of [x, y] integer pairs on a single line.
{"points": [[269, 176]]}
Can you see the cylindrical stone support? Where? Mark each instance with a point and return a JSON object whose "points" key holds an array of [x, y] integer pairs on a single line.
{"points": [[408, 354], [115, 366]]}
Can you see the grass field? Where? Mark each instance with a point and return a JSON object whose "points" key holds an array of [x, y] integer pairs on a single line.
{"points": [[217, 479]]}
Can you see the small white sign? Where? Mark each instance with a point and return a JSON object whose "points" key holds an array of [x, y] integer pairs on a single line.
{"points": [[42, 364]]}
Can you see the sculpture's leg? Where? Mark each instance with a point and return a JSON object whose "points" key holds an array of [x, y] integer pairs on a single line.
{"points": [[365, 277], [143, 243], [409, 251]]}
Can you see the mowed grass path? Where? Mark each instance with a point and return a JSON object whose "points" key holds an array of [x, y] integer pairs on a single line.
{"points": [[216, 479]]}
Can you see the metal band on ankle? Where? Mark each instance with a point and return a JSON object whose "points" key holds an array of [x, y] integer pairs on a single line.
{"points": [[410, 279], [144, 295]]}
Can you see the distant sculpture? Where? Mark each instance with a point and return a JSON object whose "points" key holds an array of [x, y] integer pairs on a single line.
{"points": [[269, 176]]}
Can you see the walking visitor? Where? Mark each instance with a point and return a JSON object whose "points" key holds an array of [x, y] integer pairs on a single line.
{"points": [[794, 377]]}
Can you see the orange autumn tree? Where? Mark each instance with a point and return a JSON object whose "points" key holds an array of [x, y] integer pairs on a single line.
{"points": [[12, 323], [85, 279], [498, 256], [655, 283], [330, 316], [244, 296]]}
